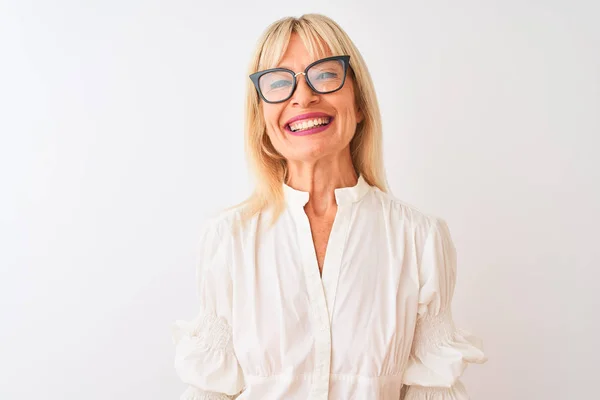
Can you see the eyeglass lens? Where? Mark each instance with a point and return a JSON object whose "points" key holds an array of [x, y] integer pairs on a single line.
{"points": [[326, 76]]}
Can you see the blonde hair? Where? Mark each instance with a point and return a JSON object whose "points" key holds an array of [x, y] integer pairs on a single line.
{"points": [[267, 165]]}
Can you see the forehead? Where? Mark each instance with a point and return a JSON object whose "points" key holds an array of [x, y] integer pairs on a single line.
{"points": [[300, 51]]}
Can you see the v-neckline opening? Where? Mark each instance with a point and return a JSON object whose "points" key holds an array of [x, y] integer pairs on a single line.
{"points": [[325, 279], [321, 268]]}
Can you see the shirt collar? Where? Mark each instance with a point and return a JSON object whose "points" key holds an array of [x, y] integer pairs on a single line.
{"points": [[344, 195]]}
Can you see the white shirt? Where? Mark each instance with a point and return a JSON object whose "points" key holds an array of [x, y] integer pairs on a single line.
{"points": [[270, 327]]}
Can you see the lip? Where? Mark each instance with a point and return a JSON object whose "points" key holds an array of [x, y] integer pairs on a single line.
{"points": [[308, 116], [310, 131]]}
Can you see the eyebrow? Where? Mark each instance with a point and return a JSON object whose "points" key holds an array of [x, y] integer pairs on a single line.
{"points": [[292, 69], [286, 66]]}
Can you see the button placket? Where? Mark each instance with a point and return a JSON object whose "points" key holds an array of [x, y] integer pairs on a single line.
{"points": [[322, 333], [333, 257]]}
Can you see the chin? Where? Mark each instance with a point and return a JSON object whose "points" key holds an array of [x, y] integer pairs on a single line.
{"points": [[314, 151]]}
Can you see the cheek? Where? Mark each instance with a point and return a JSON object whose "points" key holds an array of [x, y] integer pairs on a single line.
{"points": [[348, 112], [346, 106], [271, 116]]}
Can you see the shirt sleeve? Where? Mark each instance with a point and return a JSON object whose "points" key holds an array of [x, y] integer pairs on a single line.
{"points": [[440, 352], [204, 355]]}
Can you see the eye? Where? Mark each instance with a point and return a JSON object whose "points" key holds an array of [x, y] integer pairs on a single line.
{"points": [[280, 84], [326, 75]]}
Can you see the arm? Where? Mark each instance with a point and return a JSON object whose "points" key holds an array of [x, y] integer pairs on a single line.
{"points": [[204, 355], [440, 352]]}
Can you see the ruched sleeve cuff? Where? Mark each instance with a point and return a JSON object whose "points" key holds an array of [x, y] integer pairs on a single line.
{"points": [[440, 354], [205, 360]]}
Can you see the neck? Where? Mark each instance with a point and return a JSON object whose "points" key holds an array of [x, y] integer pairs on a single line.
{"points": [[320, 178]]}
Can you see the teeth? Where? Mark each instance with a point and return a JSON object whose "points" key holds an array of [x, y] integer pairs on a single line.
{"points": [[308, 123]]}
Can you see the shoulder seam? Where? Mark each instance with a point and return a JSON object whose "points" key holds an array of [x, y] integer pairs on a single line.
{"points": [[398, 202]]}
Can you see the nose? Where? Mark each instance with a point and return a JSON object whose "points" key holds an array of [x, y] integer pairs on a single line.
{"points": [[304, 95]]}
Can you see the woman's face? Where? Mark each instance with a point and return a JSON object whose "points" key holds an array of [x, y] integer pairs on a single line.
{"points": [[339, 107]]}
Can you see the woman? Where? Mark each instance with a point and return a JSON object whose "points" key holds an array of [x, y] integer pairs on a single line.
{"points": [[321, 285]]}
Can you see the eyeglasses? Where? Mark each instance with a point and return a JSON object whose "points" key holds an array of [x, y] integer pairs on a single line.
{"points": [[277, 85]]}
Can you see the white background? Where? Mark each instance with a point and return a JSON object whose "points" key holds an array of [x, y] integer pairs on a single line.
{"points": [[121, 130]]}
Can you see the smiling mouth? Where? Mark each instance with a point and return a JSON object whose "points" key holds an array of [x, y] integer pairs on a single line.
{"points": [[307, 124]]}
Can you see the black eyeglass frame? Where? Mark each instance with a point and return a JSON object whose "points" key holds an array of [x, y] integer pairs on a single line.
{"points": [[255, 77]]}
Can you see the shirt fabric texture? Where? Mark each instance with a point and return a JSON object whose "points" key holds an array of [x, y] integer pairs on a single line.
{"points": [[376, 325]]}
